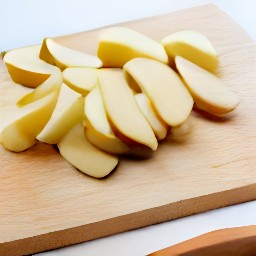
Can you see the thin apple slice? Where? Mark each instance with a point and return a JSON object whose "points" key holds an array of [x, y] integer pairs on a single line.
{"points": [[117, 45], [98, 130], [52, 83], [81, 80], [210, 93], [158, 126], [25, 67], [23, 124], [79, 152], [122, 109], [64, 57], [67, 113], [192, 46], [163, 87]]}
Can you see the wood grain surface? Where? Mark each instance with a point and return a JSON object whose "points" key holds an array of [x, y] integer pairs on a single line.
{"points": [[46, 204]]}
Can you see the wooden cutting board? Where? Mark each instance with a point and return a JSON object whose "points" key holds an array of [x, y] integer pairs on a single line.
{"points": [[46, 204]]}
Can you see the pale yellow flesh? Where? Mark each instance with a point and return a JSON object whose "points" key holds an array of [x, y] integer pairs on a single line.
{"points": [[81, 80], [79, 152], [52, 83], [210, 93], [122, 109], [158, 126], [163, 87], [25, 67], [181, 132], [23, 124], [98, 129], [5, 116], [117, 45], [67, 112], [192, 46], [64, 57]]}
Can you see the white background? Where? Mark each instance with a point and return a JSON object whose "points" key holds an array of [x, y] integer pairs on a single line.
{"points": [[27, 22]]}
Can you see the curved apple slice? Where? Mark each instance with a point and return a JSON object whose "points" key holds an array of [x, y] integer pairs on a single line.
{"points": [[210, 93], [192, 46], [52, 83], [81, 80], [122, 109], [163, 87], [64, 57], [98, 130], [158, 126], [24, 124], [117, 45], [25, 67], [79, 152], [67, 113]]}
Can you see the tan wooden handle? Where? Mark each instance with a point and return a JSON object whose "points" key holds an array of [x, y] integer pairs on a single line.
{"points": [[232, 241]]}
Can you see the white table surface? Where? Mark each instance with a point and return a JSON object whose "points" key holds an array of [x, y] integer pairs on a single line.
{"points": [[27, 22]]}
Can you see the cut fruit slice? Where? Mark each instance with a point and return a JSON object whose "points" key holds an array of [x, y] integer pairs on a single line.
{"points": [[79, 152], [25, 67], [67, 113], [81, 80], [23, 124], [64, 57], [117, 45], [163, 87], [52, 83], [192, 46], [122, 109], [98, 130], [158, 126], [210, 93]]}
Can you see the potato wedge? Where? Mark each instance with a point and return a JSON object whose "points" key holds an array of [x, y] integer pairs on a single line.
{"points": [[122, 109], [81, 80], [23, 124], [64, 57], [80, 153], [163, 87], [25, 67], [50, 84], [117, 45], [192, 46], [67, 112], [98, 130], [158, 125], [210, 93]]}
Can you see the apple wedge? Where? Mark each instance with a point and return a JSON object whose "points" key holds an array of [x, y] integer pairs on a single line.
{"points": [[158, 126], [52, 83], [168, 95], [117, 45], [67, 112], [25, 67], [98, 130], [122, 109], [79, 152], [192, 46], [22, 125], [64, 57], [81, 80], [210, 93]]}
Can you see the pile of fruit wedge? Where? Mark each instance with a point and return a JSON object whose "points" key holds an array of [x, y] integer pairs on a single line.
{"points": [[121, 102]]}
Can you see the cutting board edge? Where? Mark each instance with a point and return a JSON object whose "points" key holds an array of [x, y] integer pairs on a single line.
{"points": [[88, 232]]}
